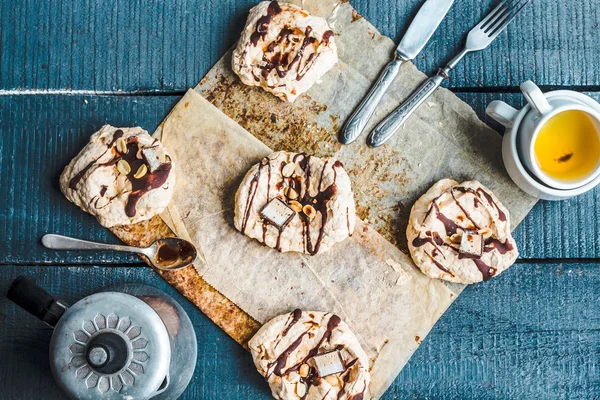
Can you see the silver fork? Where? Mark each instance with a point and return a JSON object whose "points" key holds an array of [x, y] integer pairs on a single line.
{"points": [[479, 38]]}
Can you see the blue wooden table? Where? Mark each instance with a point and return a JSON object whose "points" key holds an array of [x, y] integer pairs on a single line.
{"points": [[69, 66]]}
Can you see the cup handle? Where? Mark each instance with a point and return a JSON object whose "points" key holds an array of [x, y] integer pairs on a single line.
{"points": [[535, 97], [502, 113]]}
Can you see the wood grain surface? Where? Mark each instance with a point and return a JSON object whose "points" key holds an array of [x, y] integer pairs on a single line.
{"points": [[151, 45], [522, 336], [48, 130], [69, 66]]}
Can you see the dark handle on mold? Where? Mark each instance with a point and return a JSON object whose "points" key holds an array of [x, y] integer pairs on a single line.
{"points": [[25, 293]]}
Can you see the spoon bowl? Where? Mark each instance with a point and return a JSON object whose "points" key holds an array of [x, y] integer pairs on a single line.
{"points": [[171, 253], [166, 254]]}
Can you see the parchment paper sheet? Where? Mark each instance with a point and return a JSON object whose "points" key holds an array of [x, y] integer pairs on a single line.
{"points": [[366, 280], [443, 139]]}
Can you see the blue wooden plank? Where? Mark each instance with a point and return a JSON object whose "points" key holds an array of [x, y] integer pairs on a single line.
{"points": [[565, 229], [131, 45], [224, 370], [42, 133], [533, 332]]}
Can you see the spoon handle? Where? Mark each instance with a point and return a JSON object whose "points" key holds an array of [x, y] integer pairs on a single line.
{"points": [[59, 242]]}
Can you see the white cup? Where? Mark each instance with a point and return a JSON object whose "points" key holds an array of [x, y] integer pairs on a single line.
{"points": [[542, 108], [513, 120]]}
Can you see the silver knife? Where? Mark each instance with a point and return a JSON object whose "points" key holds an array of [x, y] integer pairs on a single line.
{"points": [[420, 30]]}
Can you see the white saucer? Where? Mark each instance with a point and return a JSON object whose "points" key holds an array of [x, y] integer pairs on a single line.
{"points": [[521, 176]]}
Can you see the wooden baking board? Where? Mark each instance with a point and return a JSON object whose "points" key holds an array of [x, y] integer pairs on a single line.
{"points": [[229, 317], [307, 126]]}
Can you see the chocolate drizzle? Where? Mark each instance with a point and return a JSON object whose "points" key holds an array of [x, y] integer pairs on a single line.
{"points": [[480, 192], [346, 377], [303, 69], [148, 182], [463, 209], [296, 315], [139, 186], [449, 225], [301, 186], [319, 202], [77, 178], [322, 198], [451, 228], [495, 244], [262, 25], [488, 197], [486, 271], [280, 362], [438, 264], [277, 367], [333, 323], [251, 193], [116, 136], [434, 239], [288, 39]]}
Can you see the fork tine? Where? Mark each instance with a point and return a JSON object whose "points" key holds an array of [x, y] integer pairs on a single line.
{"points": [[496, 14], [510, 15], [492, 14]]}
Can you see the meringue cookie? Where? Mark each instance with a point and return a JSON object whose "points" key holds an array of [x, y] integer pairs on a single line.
{"points": [[318, 190], [441, 217], [284, 49], [122, 176], [284, 347]]}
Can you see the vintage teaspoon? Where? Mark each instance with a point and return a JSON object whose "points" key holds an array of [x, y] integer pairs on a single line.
{"points": [[167, 253]]}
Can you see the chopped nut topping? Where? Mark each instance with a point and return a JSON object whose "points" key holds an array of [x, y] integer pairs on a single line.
{"points": [[288, 170], [309, 211], [123, 167], [332, 380], [456, 238], [485, 232], [294, 205], [304, 370], [121, 146], [291, 193], [141, 172], [300, 389]]}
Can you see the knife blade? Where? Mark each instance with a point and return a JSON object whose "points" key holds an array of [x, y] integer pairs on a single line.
{"points": [[416, 37], [422, 28]]}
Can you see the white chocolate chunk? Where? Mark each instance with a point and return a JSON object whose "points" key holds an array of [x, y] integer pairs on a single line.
{"points": [[329, 363], [471, 244], [277, 212], [155, 156]]}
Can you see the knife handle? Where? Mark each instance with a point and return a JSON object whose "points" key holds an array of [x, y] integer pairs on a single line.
{"points": [[363, 113], [390, 125]]}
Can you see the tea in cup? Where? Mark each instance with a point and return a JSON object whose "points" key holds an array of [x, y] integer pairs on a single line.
{"points": [[558, 140], [567, 147]]}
